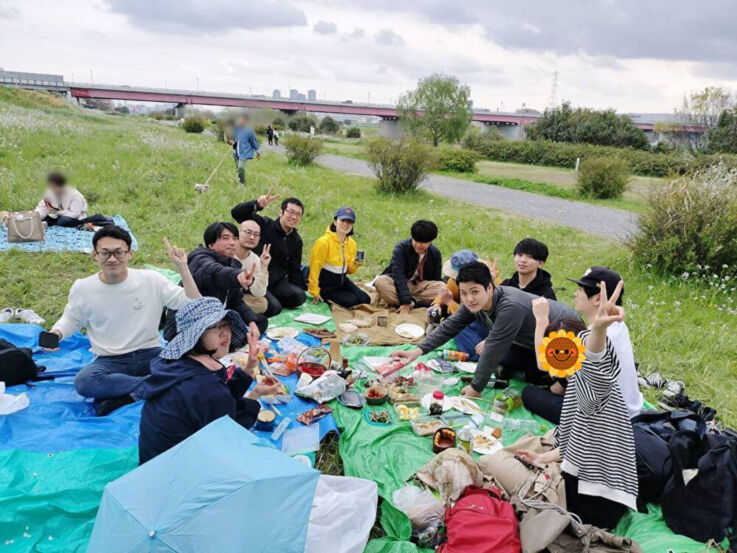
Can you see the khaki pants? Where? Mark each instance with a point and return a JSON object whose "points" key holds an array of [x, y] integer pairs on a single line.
{"points": [[423, 292], [259, 305]]}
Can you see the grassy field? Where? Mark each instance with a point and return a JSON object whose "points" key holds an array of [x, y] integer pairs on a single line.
{"points": [[548, 181], [146, 171]]}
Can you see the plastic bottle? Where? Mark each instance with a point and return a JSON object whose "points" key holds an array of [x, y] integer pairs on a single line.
{"points": [[452, 355], [436, 405]]}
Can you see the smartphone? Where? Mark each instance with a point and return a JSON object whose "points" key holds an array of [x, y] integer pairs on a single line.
{"points": [[49, 340], [529, 465]]}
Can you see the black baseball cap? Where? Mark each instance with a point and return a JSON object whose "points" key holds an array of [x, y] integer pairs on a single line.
{"points": [[594, 275]]}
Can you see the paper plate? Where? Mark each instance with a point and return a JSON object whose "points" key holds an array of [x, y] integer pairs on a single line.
{"points": [[466, 366], [281, 332], [427, 400], [467, 406], [486, 444], [409, 331]]}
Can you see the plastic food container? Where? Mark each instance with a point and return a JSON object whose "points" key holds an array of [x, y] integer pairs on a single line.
{"points": [[426, 425]]}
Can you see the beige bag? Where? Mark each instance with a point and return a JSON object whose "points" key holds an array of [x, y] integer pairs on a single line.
{"points": [[25, 226]]}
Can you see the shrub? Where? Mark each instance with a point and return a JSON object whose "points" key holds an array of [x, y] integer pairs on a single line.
{"points": [[399, 166], [328, 125], [457, 160], [260, 130], [302, 122], [353, 132], [475, 137], [602, 177], [302, 150], [690, 223], [194, 124], [278, 123]]}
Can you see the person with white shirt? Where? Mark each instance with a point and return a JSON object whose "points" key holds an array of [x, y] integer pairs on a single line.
{"points": [[548, 402], [255, 297], [121, 308], [64, 206]]}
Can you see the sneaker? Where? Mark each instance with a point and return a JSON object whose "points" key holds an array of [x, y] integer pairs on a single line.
{"points": [[673, 388], [653, 380], [7, 314], [29, 316], [106, 406]]}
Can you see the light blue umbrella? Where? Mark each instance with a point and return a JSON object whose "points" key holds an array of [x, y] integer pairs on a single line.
{"points": [[221, 490]]}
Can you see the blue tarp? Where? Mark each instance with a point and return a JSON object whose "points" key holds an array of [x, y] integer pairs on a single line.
{"points": [[60, 239]]}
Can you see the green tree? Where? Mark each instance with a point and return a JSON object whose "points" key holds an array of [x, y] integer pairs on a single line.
{"points": [[278, 123], [723, 138], [701, 110], [302, 122], [328, 125], [437, 109], [587, 126]]}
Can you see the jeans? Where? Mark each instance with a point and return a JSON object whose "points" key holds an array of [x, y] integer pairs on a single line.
{"points": [[284, 294], [116, 375], [240, 166], [467, 339]]}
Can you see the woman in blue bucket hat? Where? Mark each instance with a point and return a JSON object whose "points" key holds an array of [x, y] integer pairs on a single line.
{"points": [[189, 387]]}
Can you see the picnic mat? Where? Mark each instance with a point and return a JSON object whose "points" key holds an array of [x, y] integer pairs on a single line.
{"points": [[56, 456], [60, 239], [379, 336]]}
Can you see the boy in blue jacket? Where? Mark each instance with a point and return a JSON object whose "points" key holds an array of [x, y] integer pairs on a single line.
{"points": [[245, 147]]}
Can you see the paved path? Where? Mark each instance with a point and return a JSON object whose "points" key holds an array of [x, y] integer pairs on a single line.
{"points": [[604, 221]]}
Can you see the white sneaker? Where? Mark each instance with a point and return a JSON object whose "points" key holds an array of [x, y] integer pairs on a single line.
{"points": [[7, 314], [29, 316]]}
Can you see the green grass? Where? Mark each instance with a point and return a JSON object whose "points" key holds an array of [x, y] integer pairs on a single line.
{"points": [[146, 171]]}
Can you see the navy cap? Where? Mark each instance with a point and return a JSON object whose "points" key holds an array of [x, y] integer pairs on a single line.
{"points": [[345, 213]]}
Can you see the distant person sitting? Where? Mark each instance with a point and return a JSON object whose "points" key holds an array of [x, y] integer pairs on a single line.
{"points": [[286, 282], [270, 135], [64, 206], [219, 275], [121, 309], [505, 313], [413, 277], [245, 146], [529, 257], [189, 387], [332, 259], [248, 239], [548, 402]]}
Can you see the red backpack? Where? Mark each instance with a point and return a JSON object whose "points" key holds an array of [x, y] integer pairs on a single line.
{"points": [[480, 522]]}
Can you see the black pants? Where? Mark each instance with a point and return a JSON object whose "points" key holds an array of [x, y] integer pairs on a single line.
{"points": [[524, 360], [598, 511], [341, 290], [543, 402], [64, 221], [284, 294]]}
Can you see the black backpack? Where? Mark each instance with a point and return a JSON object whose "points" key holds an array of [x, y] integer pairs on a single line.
{"points": [[706, 507], [17, 365]]}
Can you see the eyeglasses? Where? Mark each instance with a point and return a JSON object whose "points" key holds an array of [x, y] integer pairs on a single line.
{"points": [[293, 212], [118, 254], [253, 233]]}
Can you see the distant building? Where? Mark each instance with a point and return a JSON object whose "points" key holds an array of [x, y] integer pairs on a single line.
{"points": [[293, 93], [312, 95], [300, 97], [276, 94], [31, 80]]}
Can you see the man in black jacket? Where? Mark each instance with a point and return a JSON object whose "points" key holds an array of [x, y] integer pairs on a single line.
{"points": [[413, 277], [529, 257], [219, 274], [286, 282]]}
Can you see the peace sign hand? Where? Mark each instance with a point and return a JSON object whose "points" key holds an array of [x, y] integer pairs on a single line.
{"points": [[266, 199], [609, 312], [177, 255], [265, 257]]}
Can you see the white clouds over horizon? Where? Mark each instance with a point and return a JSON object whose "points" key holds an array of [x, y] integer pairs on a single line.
{"points": [[631, 58]]}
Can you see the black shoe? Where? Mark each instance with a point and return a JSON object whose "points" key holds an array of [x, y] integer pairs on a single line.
{"points": [[107, 406]]}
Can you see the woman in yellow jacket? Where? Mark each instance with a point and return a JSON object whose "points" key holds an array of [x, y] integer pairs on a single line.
{"points": [[332, 259]]}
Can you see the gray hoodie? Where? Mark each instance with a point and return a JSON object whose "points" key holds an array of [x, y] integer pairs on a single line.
{"points": [[510, 321]]}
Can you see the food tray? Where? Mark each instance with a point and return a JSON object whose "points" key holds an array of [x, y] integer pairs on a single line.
{"points": [[367, 416], [417, 425]]}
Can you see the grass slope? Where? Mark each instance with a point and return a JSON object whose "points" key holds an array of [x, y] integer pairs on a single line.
{"points": [[146, 171]]}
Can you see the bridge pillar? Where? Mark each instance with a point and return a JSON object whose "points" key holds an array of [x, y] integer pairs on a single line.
{"points": [[390, 128], [179, 110], [511, 131]]}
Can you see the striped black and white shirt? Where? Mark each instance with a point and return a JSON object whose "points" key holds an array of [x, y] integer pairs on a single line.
{"points": [[595, 433]]}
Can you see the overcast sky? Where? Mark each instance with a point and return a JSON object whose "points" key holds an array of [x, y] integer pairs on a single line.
{"points": [[633, 55]]}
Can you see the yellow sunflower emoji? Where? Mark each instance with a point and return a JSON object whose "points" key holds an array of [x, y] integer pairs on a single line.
{"points": [[561, 353]]}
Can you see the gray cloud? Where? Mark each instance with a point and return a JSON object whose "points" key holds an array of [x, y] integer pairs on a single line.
{"points": [[9, 12], [358, 32], [626, 29], [325, 28], [388, 37], [201, 16]]}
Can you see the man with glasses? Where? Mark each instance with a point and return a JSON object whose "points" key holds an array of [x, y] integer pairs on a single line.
{"points": [[121, 309], [286, 282], [248, 239]]}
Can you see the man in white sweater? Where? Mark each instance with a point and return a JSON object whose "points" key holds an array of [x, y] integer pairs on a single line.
{"points": [[62, 205], [248, 239], [121, 309]]}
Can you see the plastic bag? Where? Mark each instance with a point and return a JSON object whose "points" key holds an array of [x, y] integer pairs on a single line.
{"points": [[327, 387], [421, 506]]}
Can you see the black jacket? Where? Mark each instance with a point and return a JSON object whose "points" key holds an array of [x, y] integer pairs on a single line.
{"points": [[541, 285], [182, 396], [286, 249], [404, 263]]}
